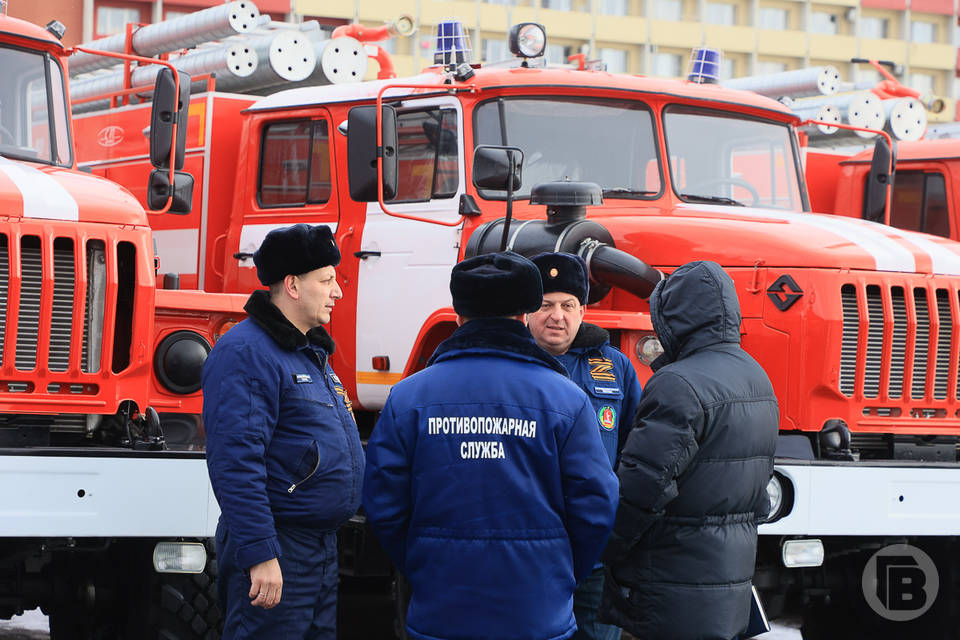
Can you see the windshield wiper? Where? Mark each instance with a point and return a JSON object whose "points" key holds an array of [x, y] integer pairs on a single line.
{"points": [[627, 191], [717, 199]]}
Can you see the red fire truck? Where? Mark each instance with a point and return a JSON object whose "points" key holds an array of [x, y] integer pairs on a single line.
{"points": [[857, 324], [99, 499]]}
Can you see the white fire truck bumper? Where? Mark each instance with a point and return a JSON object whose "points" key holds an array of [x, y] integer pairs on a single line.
{"points": [[97, 494], [869, 499]]}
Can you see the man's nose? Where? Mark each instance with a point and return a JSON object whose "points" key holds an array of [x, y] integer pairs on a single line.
{"points": [[337, 292]]}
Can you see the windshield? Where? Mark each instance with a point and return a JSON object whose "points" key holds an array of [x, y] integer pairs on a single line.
{"points": [[728, 159], [610, 142], [29, 111]]}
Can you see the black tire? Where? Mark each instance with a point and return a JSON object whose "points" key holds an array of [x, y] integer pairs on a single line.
{"points": [[184, 606]]}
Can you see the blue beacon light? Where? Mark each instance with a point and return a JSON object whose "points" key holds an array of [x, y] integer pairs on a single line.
{"points": [[452, 47], [704, 66]]}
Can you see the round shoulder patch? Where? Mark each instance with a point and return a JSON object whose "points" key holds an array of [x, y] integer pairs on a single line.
{"points": [[607, 417]]}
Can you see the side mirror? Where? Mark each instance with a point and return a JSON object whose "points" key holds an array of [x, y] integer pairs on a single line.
{"points": [[159, 188], [167, 109], [875, 195], [493, 167], [362, 153]]}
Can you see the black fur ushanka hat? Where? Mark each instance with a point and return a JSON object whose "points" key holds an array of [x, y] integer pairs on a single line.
{"points": [[495, 284], [295, 250]]}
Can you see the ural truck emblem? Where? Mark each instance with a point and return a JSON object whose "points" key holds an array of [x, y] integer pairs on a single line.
{"points": [[110, 136], [784, 292]]}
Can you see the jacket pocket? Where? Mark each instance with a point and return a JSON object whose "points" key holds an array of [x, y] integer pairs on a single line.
{"points": [[308, 465]]}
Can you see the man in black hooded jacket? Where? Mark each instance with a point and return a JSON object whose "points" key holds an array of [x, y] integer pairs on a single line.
{"points": [[693, 472]]}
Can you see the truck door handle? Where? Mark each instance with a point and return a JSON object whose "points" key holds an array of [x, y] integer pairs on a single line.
{"points": [[363, 255], [243, 255]]}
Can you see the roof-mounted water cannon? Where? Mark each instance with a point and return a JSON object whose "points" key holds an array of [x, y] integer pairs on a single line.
{"points": [[527, 40], [704, 66], [344, 56]]}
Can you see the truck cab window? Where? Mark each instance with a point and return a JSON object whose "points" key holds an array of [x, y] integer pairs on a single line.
{"points": [[727, 159], [609, 142], [919, 203], [428, 155], [294, 164], [33, 112]]}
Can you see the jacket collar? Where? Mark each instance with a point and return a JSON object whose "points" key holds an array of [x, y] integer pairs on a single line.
{"points": [[589, 336], [269, 318], [502, 336]]}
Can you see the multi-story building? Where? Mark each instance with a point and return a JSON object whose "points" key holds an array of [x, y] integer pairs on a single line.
{"points": [[652, 37]]}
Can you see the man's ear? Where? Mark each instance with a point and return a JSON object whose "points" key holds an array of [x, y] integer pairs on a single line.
{"points": [[291, 285]]}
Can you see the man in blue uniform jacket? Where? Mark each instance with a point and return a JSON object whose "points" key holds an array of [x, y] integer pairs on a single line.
{"points": [[283, 451], [486, 479], [599, 369]]}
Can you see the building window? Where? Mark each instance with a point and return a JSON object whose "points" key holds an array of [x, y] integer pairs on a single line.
{"points": [[557, 53], [867, 74], [170, 14], [721, 13], [923, 31], [871, 27], [726, 68], [556, 5], [823, 23], [668, 10], [615, 59], [775, 19], [111, 20], [494, 50], [925, 83], [667, 65], [767, 66], [613, 7]]}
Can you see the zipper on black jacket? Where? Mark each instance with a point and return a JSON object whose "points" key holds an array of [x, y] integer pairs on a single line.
{"points": [[316, 445]]}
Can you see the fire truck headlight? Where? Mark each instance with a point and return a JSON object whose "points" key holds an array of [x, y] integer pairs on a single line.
{"points": [[179, 360], [528, 40], [780, 494], [775, 493], [649, 349], [179, 557], [802, 553]]}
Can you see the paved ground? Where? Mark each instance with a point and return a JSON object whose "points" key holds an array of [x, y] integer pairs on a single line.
{"points": [[33, 626]]}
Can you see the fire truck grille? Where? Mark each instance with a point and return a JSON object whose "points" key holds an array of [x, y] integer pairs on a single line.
{"points": [[921, 345], [892, 321], [4, 288], [945, 318], [28, 323], [50, 299]]}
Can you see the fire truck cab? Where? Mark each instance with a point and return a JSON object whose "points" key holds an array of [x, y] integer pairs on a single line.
{"points": [[97, 501]]}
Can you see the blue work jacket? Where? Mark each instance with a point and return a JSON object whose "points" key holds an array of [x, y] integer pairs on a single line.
{"points": [[282, 443], [610, 382], [489, 487]]}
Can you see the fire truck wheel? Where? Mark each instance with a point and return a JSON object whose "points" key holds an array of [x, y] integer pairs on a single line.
{"points": [[401, 600], [184, 606]]}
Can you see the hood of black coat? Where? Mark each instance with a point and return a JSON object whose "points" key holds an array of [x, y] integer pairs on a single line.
{"points": [[269, 318], [694, 307]]}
